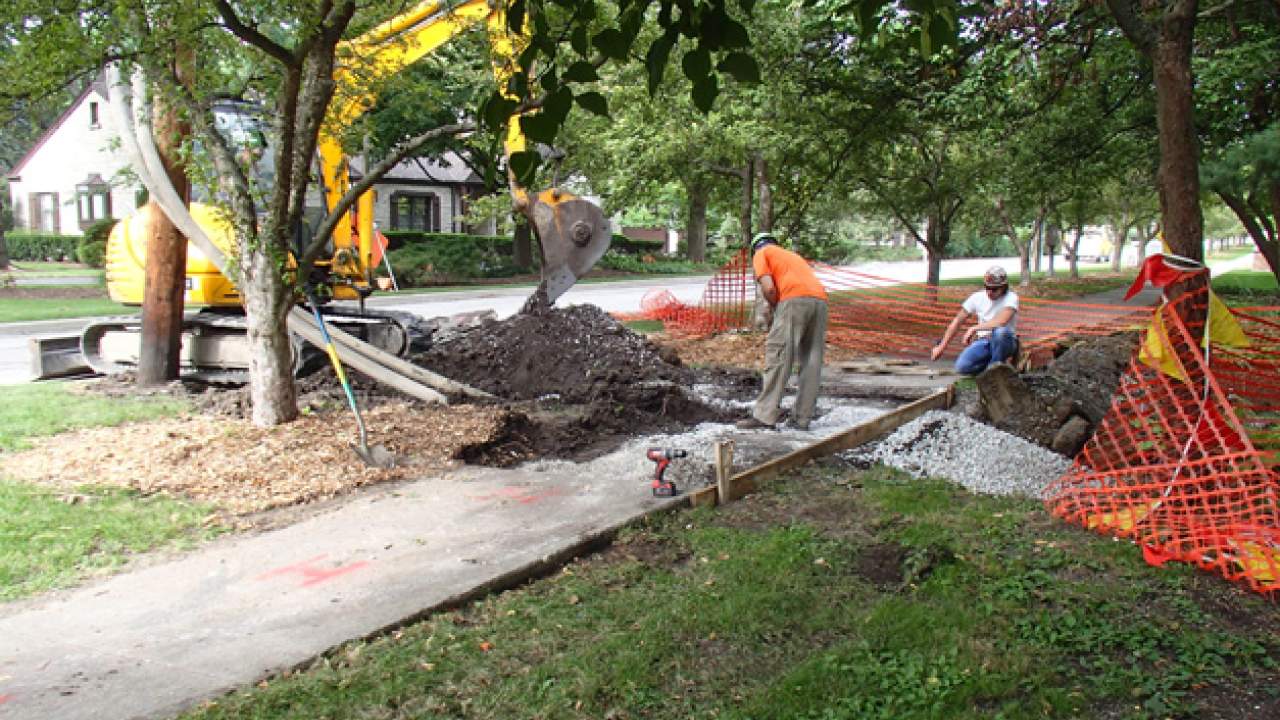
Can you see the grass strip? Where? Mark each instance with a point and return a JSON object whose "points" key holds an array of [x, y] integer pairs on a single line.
{"points": [[51, 539], [41, 409]]}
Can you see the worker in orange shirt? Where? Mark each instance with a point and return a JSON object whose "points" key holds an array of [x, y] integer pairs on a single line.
{"points": [[798, 333]]}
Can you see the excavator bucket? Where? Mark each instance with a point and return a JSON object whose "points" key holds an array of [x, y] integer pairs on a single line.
{"points": [[574, 235]]}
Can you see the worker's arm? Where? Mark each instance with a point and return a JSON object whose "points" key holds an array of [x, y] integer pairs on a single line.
{"points": [[1001, 319], [950, 333], [769, 290]]}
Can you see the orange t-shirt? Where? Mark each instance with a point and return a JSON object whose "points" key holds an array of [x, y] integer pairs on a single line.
{"points": [[791, 273]]}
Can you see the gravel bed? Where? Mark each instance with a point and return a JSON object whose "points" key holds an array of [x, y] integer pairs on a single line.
{"points": [[979, 457]]}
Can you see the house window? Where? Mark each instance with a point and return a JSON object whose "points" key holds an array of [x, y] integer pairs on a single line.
{"points": [[44, 212], [93, 201], [415, 211], [94, 122]]}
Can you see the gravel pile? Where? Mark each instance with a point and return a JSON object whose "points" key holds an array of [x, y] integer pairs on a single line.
{"points": [[979, 457]]}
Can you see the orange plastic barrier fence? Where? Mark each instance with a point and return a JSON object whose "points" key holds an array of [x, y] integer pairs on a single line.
{"points": [[1185, 462], [878, 315]]}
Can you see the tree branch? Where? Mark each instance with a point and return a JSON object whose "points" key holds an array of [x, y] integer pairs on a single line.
{"points": [[251, 35]]}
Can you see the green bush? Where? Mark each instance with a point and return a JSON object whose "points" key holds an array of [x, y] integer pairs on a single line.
{"points": [[420, 258], [626, 262], [93, 246], [39, 246], [624, 244]]}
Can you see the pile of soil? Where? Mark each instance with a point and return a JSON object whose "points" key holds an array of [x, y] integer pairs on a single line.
{"points": [[578, 383]]}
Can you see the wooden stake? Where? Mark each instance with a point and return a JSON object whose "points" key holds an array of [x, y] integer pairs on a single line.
{"points": [[724, 468]]}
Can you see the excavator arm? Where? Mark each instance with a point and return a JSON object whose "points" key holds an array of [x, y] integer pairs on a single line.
{"points": [[572, 233]]}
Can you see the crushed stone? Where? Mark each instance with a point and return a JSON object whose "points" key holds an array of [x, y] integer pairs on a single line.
{"points": [[977, 456]]}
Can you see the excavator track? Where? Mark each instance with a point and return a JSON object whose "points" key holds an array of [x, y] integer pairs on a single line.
{"points": [[215, 346]]}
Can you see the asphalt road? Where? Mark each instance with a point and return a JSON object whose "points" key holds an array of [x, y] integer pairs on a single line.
{"points": [[625, 296]]}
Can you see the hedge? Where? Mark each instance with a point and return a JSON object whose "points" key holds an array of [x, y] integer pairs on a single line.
{"points": [[422, 258], [92, 248], [38, 246]]}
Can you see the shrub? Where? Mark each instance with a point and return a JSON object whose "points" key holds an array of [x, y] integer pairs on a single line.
{"points": [[37, 246], [92, 248], [421, 258]]}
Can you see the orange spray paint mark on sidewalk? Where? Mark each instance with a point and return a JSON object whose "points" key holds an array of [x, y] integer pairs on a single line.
{"points": [[313, 575]]}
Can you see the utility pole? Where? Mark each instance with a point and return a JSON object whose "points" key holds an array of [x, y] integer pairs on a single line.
{"points": [[166, 265]]}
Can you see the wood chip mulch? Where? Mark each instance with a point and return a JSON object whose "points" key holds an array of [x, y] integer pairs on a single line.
{"points": [[243, 469]]}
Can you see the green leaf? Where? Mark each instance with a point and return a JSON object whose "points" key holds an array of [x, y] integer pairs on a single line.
{"points": [[741, 66], [696, 64], [515, 17], [580, 71], [612, 43], [593, 102], [558, 105], [496, 110], [655, 61], [869, 17], [518, 85], [734, 35], [524, 165], [704, 93], [579, 41], [549, 81], [539, 128]]}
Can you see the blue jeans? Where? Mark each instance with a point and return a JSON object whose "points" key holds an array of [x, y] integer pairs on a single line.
{"points": [[999, 346]]}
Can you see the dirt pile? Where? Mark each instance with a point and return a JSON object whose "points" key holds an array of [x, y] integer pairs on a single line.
{"points": [[1058, 407], [577, 382]]}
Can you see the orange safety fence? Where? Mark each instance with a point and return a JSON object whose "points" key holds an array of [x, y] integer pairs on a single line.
{"points": [[1185, 462], [878, 315]]}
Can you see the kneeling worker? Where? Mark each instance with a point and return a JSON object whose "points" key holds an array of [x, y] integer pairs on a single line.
{"points": [[798, 332], [994, 339]]}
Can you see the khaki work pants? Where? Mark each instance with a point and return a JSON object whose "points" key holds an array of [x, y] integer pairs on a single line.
{"points": [[798, 334]]}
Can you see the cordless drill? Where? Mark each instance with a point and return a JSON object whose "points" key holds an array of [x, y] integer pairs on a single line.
{"points": [[663, 456]]}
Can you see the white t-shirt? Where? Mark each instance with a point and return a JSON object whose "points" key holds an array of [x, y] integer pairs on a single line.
{"points": [[985, 308]]}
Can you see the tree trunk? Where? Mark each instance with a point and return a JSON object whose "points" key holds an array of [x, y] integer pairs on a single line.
{"points": [[696, 225], [1265, 234], [1051, 237], [4, 252], [522, 239], [744, 214], [267, 303], [166, 264], [1179, 174], [1037, 243], [937, 235], [766, 194]]}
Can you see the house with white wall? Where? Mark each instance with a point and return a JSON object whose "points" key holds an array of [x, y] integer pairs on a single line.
{"points": [[75, 174]]}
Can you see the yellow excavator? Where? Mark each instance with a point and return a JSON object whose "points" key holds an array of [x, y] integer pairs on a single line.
{"points": [[572, 232]]}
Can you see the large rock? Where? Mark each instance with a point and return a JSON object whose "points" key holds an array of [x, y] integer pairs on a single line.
{"points": [[1013, 406], [1071, 436]]}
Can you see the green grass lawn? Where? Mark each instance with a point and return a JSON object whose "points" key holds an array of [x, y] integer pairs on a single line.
{"points": [[25, 309], [51, 539], [49, 269], [40, 409], [1244, 284], [838, 593]]}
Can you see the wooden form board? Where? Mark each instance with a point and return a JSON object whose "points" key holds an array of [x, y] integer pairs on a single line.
{"points": [[744, 483]]}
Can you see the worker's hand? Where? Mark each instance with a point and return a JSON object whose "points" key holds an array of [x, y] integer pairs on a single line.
{"points": [[968, 334], [936, 352]]}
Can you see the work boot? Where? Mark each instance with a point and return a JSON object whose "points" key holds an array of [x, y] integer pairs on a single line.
{"points": [[751, 423], [800, 424]]}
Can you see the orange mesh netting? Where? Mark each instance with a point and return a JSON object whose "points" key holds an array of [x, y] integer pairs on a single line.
{"points": [[1185, 462], [877, 315]]}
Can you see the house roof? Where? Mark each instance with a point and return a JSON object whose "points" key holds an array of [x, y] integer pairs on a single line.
{"points": [[99, 86], [448, 170]]}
